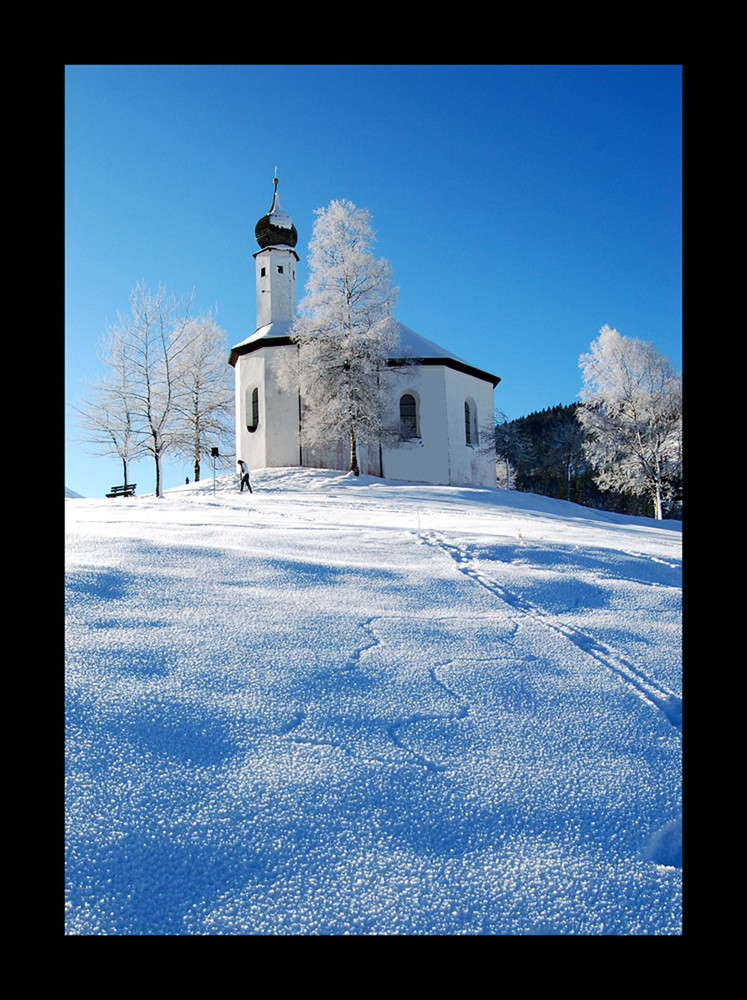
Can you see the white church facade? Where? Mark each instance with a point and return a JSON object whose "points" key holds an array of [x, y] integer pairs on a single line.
{"points": [[441, 407]]}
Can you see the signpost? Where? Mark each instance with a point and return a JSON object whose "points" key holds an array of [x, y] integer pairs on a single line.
{"points": [[214, 453]]}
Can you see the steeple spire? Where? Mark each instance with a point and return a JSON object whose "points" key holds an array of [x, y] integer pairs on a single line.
{"points": [[276, 228]]}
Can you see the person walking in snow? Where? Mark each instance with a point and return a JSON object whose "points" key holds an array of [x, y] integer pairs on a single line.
{"points": [[244, 473]]}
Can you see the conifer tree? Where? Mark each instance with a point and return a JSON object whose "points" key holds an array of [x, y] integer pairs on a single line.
{"points": [[508, 446]]}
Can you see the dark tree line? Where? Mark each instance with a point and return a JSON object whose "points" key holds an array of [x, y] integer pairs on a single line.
{"points": [[545, 455]]}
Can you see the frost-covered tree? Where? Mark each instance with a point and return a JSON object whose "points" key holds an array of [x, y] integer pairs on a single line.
{"points": [[150, 344], [631, 413], [204, 400], [345, 331], [109, 415], [106, 417]]}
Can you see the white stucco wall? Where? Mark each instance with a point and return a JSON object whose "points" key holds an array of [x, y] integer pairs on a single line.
{"points": [[441, 455], [470, 464], [275, 440], [276, 290], [424, 459]]}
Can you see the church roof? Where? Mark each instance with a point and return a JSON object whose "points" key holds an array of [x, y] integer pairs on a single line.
{"points": [[416, 348], [266, 336], [411, 347]]}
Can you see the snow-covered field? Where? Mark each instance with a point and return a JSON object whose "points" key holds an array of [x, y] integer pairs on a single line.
{"points": [[341, 706]]}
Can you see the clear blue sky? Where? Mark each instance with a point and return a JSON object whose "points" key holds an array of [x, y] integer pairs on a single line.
{"points": [[521, 207]]}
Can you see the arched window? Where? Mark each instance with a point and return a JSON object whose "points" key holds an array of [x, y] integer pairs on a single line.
{"points": [[252, 409], [470, 422], [408, 417]]}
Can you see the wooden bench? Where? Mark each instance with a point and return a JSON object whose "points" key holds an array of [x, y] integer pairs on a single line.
{"points": [[123, 491]]}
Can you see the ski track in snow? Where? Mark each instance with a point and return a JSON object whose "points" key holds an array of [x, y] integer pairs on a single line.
{"points": [[655, 694]]}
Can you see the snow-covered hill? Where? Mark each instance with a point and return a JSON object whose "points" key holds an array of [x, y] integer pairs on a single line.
{"points": [[341, 706]]}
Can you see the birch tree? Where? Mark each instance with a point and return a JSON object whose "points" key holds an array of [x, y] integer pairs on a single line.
{"points": [[632, 414], [204, 400], [108, 423], [345, 331], [150, 343], [107, 415]]}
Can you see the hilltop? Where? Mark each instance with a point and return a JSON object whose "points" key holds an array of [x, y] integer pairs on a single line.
{"points": [[352, 706]]}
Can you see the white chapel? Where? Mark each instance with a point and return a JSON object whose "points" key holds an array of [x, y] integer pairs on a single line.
{"points": [[442, 405]]}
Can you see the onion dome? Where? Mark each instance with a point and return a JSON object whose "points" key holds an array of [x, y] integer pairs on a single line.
{"points": [[276, 228]]}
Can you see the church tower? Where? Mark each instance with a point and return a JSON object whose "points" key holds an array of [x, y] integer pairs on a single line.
{"points": [[275, 263], [267, 413]]}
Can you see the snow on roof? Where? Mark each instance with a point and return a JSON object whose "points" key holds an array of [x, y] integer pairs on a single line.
{"points": [[280, 328], [411, 344]]}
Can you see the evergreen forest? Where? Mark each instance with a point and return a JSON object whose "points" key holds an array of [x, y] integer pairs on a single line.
{"points": [[543, 453]]}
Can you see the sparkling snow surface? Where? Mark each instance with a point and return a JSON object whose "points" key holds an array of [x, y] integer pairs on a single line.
{"points": [[343, 706]]}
